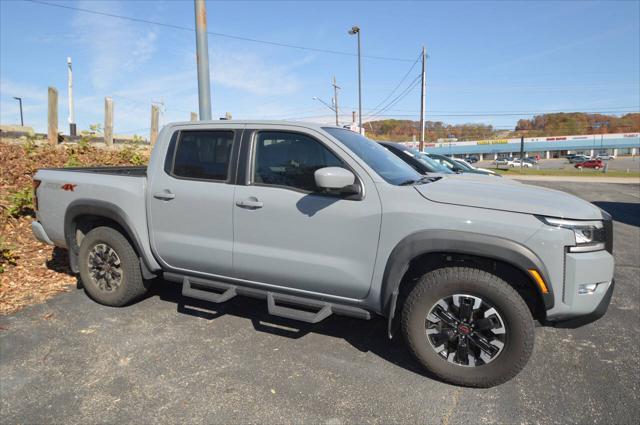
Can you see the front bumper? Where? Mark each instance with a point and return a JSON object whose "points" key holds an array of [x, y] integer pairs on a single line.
{"points": [[39, 233], [596, 314]]}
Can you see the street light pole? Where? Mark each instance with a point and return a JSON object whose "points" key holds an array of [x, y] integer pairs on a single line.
{"points": [[19, 99], [356, 30]]}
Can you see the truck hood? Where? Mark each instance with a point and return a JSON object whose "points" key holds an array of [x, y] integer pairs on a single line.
{"points": [[520, 198]]}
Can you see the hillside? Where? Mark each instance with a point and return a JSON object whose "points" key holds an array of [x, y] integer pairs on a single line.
{"points": [[556, 124]]}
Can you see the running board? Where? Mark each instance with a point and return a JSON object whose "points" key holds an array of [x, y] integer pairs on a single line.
{"points": [[323, 309], [305, 309], [226, 291]]}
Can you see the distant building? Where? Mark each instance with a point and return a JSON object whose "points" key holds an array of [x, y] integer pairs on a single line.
{"points": [[618, 144]]}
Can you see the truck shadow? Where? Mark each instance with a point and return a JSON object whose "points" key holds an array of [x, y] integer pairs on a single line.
{"points": [[365, 336], [624, 212]]}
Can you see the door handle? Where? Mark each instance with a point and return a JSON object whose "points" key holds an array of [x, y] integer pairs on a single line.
{"points": [[251, 203], [165, 196]]}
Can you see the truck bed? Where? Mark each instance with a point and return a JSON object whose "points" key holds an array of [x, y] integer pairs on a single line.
{"points": [[137, 171]]}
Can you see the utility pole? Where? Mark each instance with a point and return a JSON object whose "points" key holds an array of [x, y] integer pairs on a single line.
{"points": [[521, 152], [335, 99], [422, 98], [202, 57], [72, 120]]}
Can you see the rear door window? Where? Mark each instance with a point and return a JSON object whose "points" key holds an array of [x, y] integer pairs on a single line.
{"points": [[203, 155]]}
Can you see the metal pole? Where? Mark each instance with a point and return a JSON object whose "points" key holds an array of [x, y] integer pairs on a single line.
{"points": [[72, 120], [335, 98], [202, 56], [521, 152], [422, 100], [359, 86], [19, 99]]}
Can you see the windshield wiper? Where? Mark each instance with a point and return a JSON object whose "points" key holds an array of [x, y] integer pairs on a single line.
{"points": [[422, 180]]}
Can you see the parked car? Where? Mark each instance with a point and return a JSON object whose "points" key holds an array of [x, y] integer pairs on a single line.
{"points": [[319, 220], [457, 165], [605, 157], [579, 158], [471, 159], [596, 164], [417, 160], [518, 162], [421, 162], [505, 160], [531, 160], [471, 167]]}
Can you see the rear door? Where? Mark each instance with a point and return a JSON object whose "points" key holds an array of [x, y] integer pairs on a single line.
{"points": [[191, 200], [289, 234]]}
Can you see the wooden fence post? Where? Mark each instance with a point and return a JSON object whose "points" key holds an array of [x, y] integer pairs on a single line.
{"points": [[155, 117], [108, 121], [52, 116], [194, 116]]}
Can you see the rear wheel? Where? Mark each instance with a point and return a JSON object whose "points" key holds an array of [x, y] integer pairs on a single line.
{"points": [[468, 327], [109, 268]]}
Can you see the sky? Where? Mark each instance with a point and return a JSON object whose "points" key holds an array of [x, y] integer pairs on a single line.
{"points": [[488, 62]]}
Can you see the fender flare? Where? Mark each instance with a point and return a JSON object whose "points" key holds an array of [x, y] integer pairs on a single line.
{"points": [[107, 210], [456, 242]]}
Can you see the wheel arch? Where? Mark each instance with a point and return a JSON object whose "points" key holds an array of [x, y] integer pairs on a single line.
{"points": [[82, 215], [431, 249]]}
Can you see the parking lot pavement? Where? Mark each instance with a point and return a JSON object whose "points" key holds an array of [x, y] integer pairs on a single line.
{"points": [[622, 163], [170, 359]]}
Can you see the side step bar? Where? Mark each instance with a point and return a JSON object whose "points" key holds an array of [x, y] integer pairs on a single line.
{"points": [[227, 291], [292, 313], [288, 306]]}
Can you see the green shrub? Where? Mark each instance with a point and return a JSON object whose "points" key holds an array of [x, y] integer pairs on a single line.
{"points": [[21, 202]]}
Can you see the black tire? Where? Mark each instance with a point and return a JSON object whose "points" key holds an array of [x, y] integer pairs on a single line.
{"points": [[130, 285], [518, 339]]}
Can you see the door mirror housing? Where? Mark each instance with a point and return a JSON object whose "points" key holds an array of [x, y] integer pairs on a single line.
{"points": [[334, 178]]}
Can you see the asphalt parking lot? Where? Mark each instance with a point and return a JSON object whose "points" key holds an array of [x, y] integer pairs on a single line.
{"points": [[171, 359], [622, 163]]}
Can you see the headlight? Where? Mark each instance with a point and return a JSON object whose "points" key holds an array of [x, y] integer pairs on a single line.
{"points": [[590, 235]]}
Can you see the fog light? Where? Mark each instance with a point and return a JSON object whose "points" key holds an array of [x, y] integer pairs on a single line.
{"points": [[587, 288]]}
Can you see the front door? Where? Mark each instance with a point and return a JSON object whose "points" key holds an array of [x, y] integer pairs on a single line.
{"points": [[190, 202], [289, 234]]}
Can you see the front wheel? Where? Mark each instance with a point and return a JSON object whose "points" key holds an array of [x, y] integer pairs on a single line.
{"points": [[110, 268], [468, 327]]}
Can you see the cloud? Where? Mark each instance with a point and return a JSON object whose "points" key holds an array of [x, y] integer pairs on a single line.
{"points": [[114, 46], [253, 74]]}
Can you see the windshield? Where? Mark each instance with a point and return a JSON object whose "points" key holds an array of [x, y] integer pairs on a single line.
{"points": [[434, 165], [391, 168]]}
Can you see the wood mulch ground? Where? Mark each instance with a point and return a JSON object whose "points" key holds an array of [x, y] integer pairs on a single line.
{"points": [[33, 271]]}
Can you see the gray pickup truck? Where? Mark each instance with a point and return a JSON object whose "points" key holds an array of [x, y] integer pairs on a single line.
{"points": [[320, 220]]}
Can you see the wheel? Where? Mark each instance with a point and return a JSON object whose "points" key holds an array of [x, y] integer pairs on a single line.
{"points": [[468, 327], [110, 268]]}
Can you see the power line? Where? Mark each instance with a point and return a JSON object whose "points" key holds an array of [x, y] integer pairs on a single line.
{"points": [[399, 84], [398, 98], [216, 34]]}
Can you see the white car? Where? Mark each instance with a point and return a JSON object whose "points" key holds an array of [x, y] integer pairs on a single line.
{"points": [[517, 162], [605, 157], [463, 162]]}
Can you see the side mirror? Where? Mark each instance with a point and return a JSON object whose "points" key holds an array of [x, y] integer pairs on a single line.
{"points": [[334, 178]]}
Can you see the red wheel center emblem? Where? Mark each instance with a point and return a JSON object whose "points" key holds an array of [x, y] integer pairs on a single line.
{"points": [[464, 329]]}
